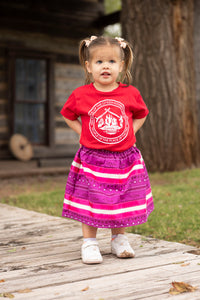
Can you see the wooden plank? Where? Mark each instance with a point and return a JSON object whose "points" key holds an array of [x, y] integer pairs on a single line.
{"points": [[55, 162], [58, 151], [3, 86], [85, 272], [66, 136], [64, 70], [4, 130], [68, 83], [109, 19], [137, 284], [47, 261], [80, 271], [89, 272]]}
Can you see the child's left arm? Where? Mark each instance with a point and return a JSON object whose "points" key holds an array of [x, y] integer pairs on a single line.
{"points": [[137, 124]]}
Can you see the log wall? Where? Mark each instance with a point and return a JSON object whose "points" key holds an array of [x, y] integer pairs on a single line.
{"points": [[67, 75], [67, 78], [4, 109], [55, 29]]}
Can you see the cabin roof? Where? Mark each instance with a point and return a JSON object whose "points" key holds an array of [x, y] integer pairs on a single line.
{"points": [[72, 19]]}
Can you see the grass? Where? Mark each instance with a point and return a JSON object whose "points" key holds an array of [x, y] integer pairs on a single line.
{"points": [[177, 208], [45, 202], [176, 197]]}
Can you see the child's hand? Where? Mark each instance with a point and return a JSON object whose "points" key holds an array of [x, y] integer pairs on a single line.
{"points": [[137, 124]]}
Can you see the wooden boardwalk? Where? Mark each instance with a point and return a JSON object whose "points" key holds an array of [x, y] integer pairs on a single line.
{"points": [[40, 260]]}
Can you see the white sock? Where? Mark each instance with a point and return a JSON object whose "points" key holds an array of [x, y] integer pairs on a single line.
{"points": [[89, 239]]}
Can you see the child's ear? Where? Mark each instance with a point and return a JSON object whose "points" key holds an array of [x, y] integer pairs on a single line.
{"points": [[87, 65]]}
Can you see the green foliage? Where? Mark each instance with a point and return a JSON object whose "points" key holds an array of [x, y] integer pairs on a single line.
{"points": [[112, 5]]}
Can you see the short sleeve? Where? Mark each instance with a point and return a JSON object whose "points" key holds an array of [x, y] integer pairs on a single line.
{"points": [[69, 109], [140, 109]]}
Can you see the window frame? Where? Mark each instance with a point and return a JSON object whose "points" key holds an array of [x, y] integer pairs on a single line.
{"points": [[16, 53]]}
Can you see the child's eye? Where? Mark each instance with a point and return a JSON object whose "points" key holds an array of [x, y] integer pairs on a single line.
{"points": [[112, 61], [99, 62]]}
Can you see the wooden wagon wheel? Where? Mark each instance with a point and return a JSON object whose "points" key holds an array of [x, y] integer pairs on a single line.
{"points": [[21, 147]]}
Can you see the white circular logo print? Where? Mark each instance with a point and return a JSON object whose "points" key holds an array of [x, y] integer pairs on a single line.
{"points": [[108, 121]]}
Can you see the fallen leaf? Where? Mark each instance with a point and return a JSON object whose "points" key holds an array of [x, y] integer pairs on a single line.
{"points": [[197, 252], [172, 291], [85, 289], [25, 291], [23, 248], [7, 295], [181, 287], [185, 287], [185, 265], [2, 280]]}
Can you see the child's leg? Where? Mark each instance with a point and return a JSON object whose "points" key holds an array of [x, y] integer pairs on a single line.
{"points": [[120, 245], [90, 250], [116, 231], [89, 231]]}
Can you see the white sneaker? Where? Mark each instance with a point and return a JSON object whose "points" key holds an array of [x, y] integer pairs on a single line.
{"points": [[90, 253], [121, 247]]}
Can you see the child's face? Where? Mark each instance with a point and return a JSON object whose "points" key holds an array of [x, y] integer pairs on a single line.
{"points": [[105, 64]]}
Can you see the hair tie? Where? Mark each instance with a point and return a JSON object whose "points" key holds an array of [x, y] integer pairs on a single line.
{"points": [[121, 42], [92, 38]]}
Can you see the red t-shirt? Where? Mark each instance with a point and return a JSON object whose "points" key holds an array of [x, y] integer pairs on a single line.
{"points": [[107, 117]]}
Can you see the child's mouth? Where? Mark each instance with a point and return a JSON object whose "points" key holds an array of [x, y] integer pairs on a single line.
{"points": [[105, 74]]}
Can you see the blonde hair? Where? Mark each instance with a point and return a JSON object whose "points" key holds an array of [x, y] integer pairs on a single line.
{"points": [[125, 49]]}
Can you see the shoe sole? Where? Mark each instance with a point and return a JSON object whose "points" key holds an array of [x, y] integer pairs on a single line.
{"points": [[92, 262], [124, 254]]}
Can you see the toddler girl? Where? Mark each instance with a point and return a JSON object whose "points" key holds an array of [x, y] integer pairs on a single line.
{"points": [[108, 185]]}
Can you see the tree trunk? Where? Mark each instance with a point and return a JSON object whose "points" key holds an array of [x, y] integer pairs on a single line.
{"points": [[161, 33]]}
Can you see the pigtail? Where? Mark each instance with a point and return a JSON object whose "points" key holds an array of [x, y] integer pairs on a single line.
{"points": [[83, 56], [128, 60]]}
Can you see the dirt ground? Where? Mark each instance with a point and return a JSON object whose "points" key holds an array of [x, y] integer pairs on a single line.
{"points": [[28, 184]]}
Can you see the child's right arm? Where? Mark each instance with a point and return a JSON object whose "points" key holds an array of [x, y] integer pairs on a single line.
{"points": [[74, 125]]}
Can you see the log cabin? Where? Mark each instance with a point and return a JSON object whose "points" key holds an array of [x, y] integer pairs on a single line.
{"points": [[39, 69]]}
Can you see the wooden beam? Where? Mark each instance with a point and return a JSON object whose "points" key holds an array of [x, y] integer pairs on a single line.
{"points": [[106, 20], [71, 19]]}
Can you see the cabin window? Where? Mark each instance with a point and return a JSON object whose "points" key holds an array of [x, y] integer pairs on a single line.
{"points": [[31, 99], [31, 95]]}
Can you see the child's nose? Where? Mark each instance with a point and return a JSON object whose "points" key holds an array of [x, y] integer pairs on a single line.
{"points": [[105, 65]]}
